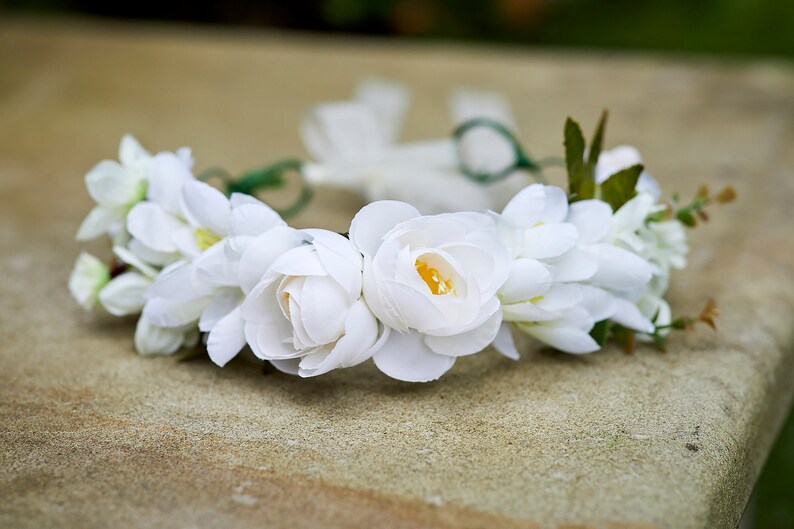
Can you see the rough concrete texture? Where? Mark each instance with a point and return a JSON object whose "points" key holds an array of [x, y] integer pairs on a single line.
{"points": [[95, 436]]}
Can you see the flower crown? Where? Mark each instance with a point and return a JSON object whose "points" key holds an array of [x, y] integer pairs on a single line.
{"points": [[570, 268]]}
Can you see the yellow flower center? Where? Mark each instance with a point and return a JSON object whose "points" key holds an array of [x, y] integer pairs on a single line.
{"points": [[437, 284], [205, 238]]}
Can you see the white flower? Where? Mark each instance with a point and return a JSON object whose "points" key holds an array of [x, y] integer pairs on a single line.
{"points": [[623, 157], [87, 279], [353, 145], [188, 219], [665, 244], [543, 295], [115, 187], [208, 288], [125, 294], [161, 225], [433, 280], [610, 240], [306, 314]]}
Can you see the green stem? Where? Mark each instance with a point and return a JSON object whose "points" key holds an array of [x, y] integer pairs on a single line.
{"points": [[273, 176]]}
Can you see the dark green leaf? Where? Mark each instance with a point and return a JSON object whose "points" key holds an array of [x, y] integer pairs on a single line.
{"points": [[619, 188], [686, 217], [600, 332], [597, 144], [580, 179]]}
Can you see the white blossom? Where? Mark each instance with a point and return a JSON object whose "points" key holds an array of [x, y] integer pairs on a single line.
{"points": [[544, 295], [87, 279], [306, 314], [433, 281]]}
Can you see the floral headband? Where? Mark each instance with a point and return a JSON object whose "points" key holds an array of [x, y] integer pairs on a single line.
{"points": [[571, 267]]}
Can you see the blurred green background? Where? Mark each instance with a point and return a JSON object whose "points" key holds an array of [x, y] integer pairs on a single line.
{"points": [[714, 26], [731, 28]]}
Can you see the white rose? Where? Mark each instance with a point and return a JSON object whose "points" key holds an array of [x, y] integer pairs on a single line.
{"points": [[306, 314], [432, 279]]}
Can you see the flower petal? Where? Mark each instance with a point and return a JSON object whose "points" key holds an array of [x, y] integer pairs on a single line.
{"points": [[288, 366], [560, 297], [340, 259], [574, 265], [268, 341], [619, 269], [566, 339], [152, 256], [225, 302], [528, 279], [549, 240], [128, 257], [598, 302], [153, 340], [252, 218], [124, 294], [176, 282], [505, 343], [131, 152], [627, 314], [406, 357], [467, 343], [168, 173], [109, 184], [374, 220], [593, 219], [98, 222], [389, 101], [212, 266], [324, 305], [154, 227], [227, 338], [348, 128], [263, 251], [537, 203], [169, 313], [356, 345], [205, 207], [527, 311]]}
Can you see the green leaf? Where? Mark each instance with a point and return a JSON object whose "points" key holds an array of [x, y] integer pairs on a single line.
{"points": [[580, 179], [597, 144], [600, 332], [619, 188], [686, 217]]}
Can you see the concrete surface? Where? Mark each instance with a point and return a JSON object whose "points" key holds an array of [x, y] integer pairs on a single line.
{"points": [[95, 436]]}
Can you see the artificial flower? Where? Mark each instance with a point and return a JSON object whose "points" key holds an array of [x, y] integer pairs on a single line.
{"points": [[306, 314], [87, 279], [433, 281], [206, 287], [610, 241], [544, 295], [353, 146], [115, 187]]}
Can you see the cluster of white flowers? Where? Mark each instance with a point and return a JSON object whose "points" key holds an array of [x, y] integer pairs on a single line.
{"points": [[413, 292]]}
